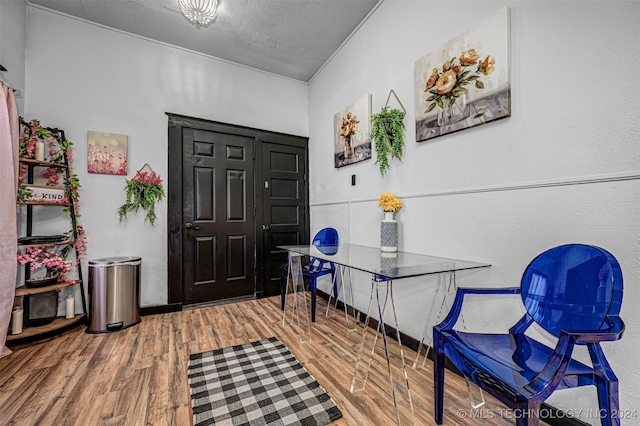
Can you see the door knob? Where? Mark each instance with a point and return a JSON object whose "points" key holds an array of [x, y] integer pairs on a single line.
{"points": [[266, 228], [190, 225]]}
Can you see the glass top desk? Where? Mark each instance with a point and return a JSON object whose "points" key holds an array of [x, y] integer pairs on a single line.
{"points": [[384, 268]]}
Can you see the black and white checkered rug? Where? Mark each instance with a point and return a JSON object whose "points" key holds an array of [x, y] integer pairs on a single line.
{"points": [[258, 383]]}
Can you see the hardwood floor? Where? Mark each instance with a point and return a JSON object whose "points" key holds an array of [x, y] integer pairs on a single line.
{"points": [[138, 376]]}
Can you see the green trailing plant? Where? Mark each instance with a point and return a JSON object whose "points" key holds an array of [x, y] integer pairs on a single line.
{"points": [[71, 193], [58, 148], [24, 192], [32, 131], [144, 190], [387, 132]]}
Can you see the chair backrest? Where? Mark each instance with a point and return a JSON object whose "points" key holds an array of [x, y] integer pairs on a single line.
{"points": [[326, 240], [573, 287]]}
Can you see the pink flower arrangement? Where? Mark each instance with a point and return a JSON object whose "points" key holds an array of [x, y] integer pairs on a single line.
{"points": [[81, 242], [62, 201], [32, 132], [53, 176], [28, 144], [39, 257], [150, 178]]}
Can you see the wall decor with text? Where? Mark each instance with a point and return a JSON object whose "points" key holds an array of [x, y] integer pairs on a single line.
{"points": [[107, 153]]}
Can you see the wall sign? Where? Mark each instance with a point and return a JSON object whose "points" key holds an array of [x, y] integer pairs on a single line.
{"points": [[107, 153]]}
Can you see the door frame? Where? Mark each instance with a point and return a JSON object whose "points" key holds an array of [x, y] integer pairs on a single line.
{"points": [[174, 194]]}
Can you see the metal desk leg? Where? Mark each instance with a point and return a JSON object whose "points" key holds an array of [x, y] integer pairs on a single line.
{"points": [[362, 367], [295, 280]]}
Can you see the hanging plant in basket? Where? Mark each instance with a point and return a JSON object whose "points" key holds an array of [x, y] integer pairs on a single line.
{"points": [[144, 190], [387, 132]]}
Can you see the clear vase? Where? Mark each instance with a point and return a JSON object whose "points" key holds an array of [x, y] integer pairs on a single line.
{"points": [[348, 149], [456, 111], [388, 233]]}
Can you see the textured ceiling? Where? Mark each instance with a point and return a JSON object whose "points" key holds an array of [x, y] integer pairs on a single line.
{"points": [[292, 38]]}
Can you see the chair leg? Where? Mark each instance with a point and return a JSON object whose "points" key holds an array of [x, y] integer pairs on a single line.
{"points": [[608, 401], [607, 384], [438, 377], [314, 291], [283, 288], [527, 413]]}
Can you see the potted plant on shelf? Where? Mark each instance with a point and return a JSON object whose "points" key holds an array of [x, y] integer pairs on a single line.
{"points": [[387, 132], [41, 257]]}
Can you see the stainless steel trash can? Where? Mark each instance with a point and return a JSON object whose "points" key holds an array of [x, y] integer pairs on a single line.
{"points": [[114, 293]]}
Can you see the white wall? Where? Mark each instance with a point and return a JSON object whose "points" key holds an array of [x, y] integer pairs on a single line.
{"points": [[565, 167], [84, 77], [12, 38]]}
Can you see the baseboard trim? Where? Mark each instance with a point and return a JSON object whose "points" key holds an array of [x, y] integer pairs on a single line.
{"points": [[218, 302], [161, 309]]}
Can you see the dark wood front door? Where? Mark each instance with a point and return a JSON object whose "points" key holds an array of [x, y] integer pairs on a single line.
{"points": [[218, 230], [234, 194], [284, 207]]}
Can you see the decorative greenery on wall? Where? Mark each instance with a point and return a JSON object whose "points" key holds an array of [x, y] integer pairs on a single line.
{"points": [[387, 132], [144, 190]]}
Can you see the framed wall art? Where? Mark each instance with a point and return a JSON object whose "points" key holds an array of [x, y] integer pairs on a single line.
{"points": [[107, 153], [466, 81], [352, 132]]}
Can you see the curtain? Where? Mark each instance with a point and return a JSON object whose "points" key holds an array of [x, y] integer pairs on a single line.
{"points": [[9, 133]]}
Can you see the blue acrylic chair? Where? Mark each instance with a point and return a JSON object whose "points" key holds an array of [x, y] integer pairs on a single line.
{"points": [[326, 241], [574, 292]]}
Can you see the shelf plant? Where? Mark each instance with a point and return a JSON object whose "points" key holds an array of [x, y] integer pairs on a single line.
{"points": [[387, 132], [59, 148], [41, 257]]}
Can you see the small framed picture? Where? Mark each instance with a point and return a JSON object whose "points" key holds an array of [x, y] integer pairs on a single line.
{"points": [[352, 132], [107, 153]]}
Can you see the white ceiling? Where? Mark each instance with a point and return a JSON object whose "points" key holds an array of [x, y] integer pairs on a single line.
{"points": [[292, 38]]}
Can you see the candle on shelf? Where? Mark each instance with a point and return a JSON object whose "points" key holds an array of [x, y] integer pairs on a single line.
{"points": [[70, 307], [40, 151], [16, 320]]}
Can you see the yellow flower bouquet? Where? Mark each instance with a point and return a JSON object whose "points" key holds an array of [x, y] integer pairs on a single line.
{"points": [[389, 202]]}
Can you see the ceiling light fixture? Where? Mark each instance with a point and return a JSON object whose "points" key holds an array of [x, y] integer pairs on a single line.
{"points": [[200, 12]]}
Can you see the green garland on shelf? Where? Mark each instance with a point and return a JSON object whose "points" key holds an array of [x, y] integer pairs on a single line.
{"points": [[24, 192], [59, 148]]}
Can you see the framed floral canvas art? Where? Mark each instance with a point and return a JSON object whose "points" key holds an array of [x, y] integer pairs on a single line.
{"points": [[466, 81], [107, 153], [352, 132]]}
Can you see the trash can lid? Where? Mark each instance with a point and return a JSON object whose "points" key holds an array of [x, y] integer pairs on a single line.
{"points": [[105, 261]]}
